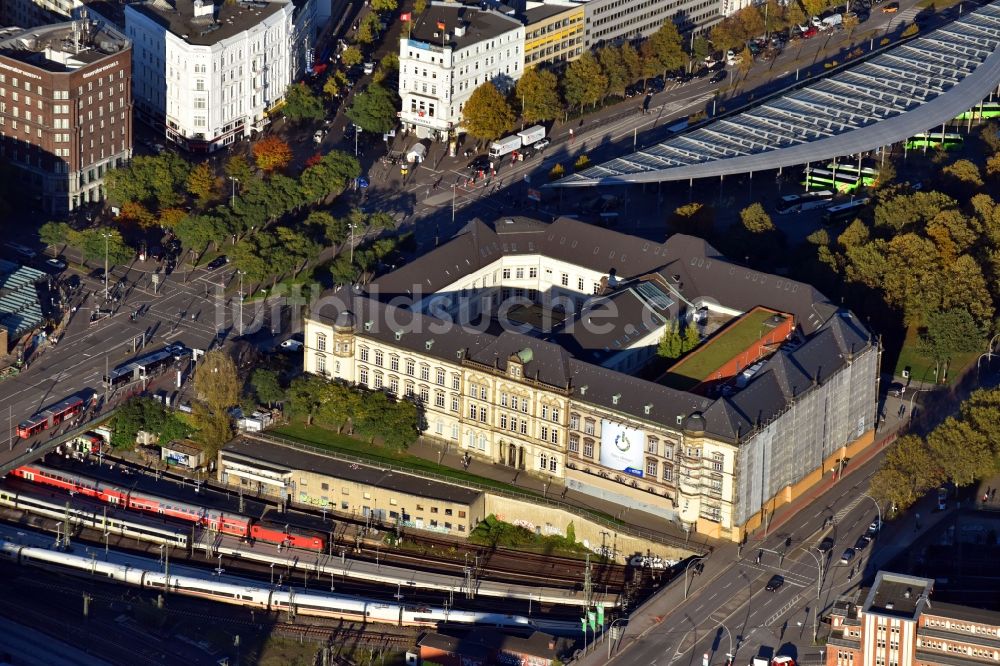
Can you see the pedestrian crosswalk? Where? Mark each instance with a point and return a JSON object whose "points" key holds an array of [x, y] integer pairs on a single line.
{"points": [[906, 16]]}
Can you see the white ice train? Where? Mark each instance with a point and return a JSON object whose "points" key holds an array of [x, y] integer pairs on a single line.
{"points": [[247, 593]]}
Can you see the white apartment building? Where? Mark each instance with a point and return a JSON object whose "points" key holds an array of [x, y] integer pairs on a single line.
{"points": [[207, 73], [451, 50]]}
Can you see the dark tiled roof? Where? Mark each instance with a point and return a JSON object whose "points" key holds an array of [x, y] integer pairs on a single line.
{"points": [[624, 316], [687, 266], [547, 10], [479, 25], [229, 20]]}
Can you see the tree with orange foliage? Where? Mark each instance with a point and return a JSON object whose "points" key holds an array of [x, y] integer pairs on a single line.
{"points": [[314, 160], [271, 153], [170, 217], [133, 211]]}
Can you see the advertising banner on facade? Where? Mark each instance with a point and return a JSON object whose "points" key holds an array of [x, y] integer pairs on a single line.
{"points": [[622, 447]]}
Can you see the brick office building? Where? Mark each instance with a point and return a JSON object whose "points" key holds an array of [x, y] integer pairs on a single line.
{"points": [[65, 110], [895, 623]]}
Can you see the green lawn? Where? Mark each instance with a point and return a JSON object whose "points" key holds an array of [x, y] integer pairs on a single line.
{"points": [[327, 439], [921, 367], [719, 350]]}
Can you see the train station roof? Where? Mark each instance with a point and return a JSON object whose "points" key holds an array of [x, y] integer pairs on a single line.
{"points": [[905, 90]]}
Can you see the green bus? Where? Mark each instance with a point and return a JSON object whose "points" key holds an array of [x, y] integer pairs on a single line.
{"points": [[841, 181], [944, 140], [986, 111], [845, 167]]}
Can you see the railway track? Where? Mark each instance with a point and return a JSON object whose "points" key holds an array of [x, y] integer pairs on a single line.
{"points": [[452, 556]]}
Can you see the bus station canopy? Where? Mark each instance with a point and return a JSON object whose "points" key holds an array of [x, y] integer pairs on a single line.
{"points": [[911, 88]]}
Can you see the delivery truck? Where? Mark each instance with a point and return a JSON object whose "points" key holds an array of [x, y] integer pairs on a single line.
{"points": [[531, 135], [504, 146]]}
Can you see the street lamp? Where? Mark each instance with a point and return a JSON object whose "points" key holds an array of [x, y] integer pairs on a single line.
{"points": [[819, 585], [611, 629], [241, 273], [106, 235], [693, 560], [232, 198], [877, 508], [731, 655], [914, 395]]}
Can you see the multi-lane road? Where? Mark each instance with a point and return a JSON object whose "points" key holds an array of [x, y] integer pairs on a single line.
{"points": [[77, 363], [729, 611]]}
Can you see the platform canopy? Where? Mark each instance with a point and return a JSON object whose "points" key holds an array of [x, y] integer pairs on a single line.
{"points": [[911, 88]]}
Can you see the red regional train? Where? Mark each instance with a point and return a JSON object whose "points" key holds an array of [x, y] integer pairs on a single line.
{"points": [[213, 519]]}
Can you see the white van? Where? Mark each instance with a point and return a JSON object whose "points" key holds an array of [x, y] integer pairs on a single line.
{"points": [[417, 153]]}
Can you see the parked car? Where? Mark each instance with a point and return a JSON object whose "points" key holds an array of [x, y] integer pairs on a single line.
{"points": [[541, 145], [291, 345], [318, 136], [479, 163], [218, 262], [847, 556], [891, 8], [875, 527], [55, 265], [897, 389], [811, 31], [369, 68], [719, 76], [774, 583], [862, 542]]}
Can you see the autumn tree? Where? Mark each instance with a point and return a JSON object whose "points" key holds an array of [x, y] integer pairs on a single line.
{"points": [[539, 96], [962, 452], [631, 61], [613, 66], [756, 220], [584, 82], [908, 471], [351, 56], [239, 168], [692, 218], [385, 5], [487, 115], [419, 6], [136, 213], [216, 382], [203, 184], [666, 44], [964, 172], [271, 154]]}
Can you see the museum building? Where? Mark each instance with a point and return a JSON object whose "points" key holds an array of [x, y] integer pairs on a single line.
{"points": [[534, 346]]}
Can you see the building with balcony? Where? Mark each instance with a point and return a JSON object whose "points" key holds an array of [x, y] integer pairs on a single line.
{"points": [[527, 343], [895, 623], [553, 32], [65, 110], [450, 51], [209, 74]]}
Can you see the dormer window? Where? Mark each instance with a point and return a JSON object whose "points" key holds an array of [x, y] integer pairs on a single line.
{"points": [[515, 370]]}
